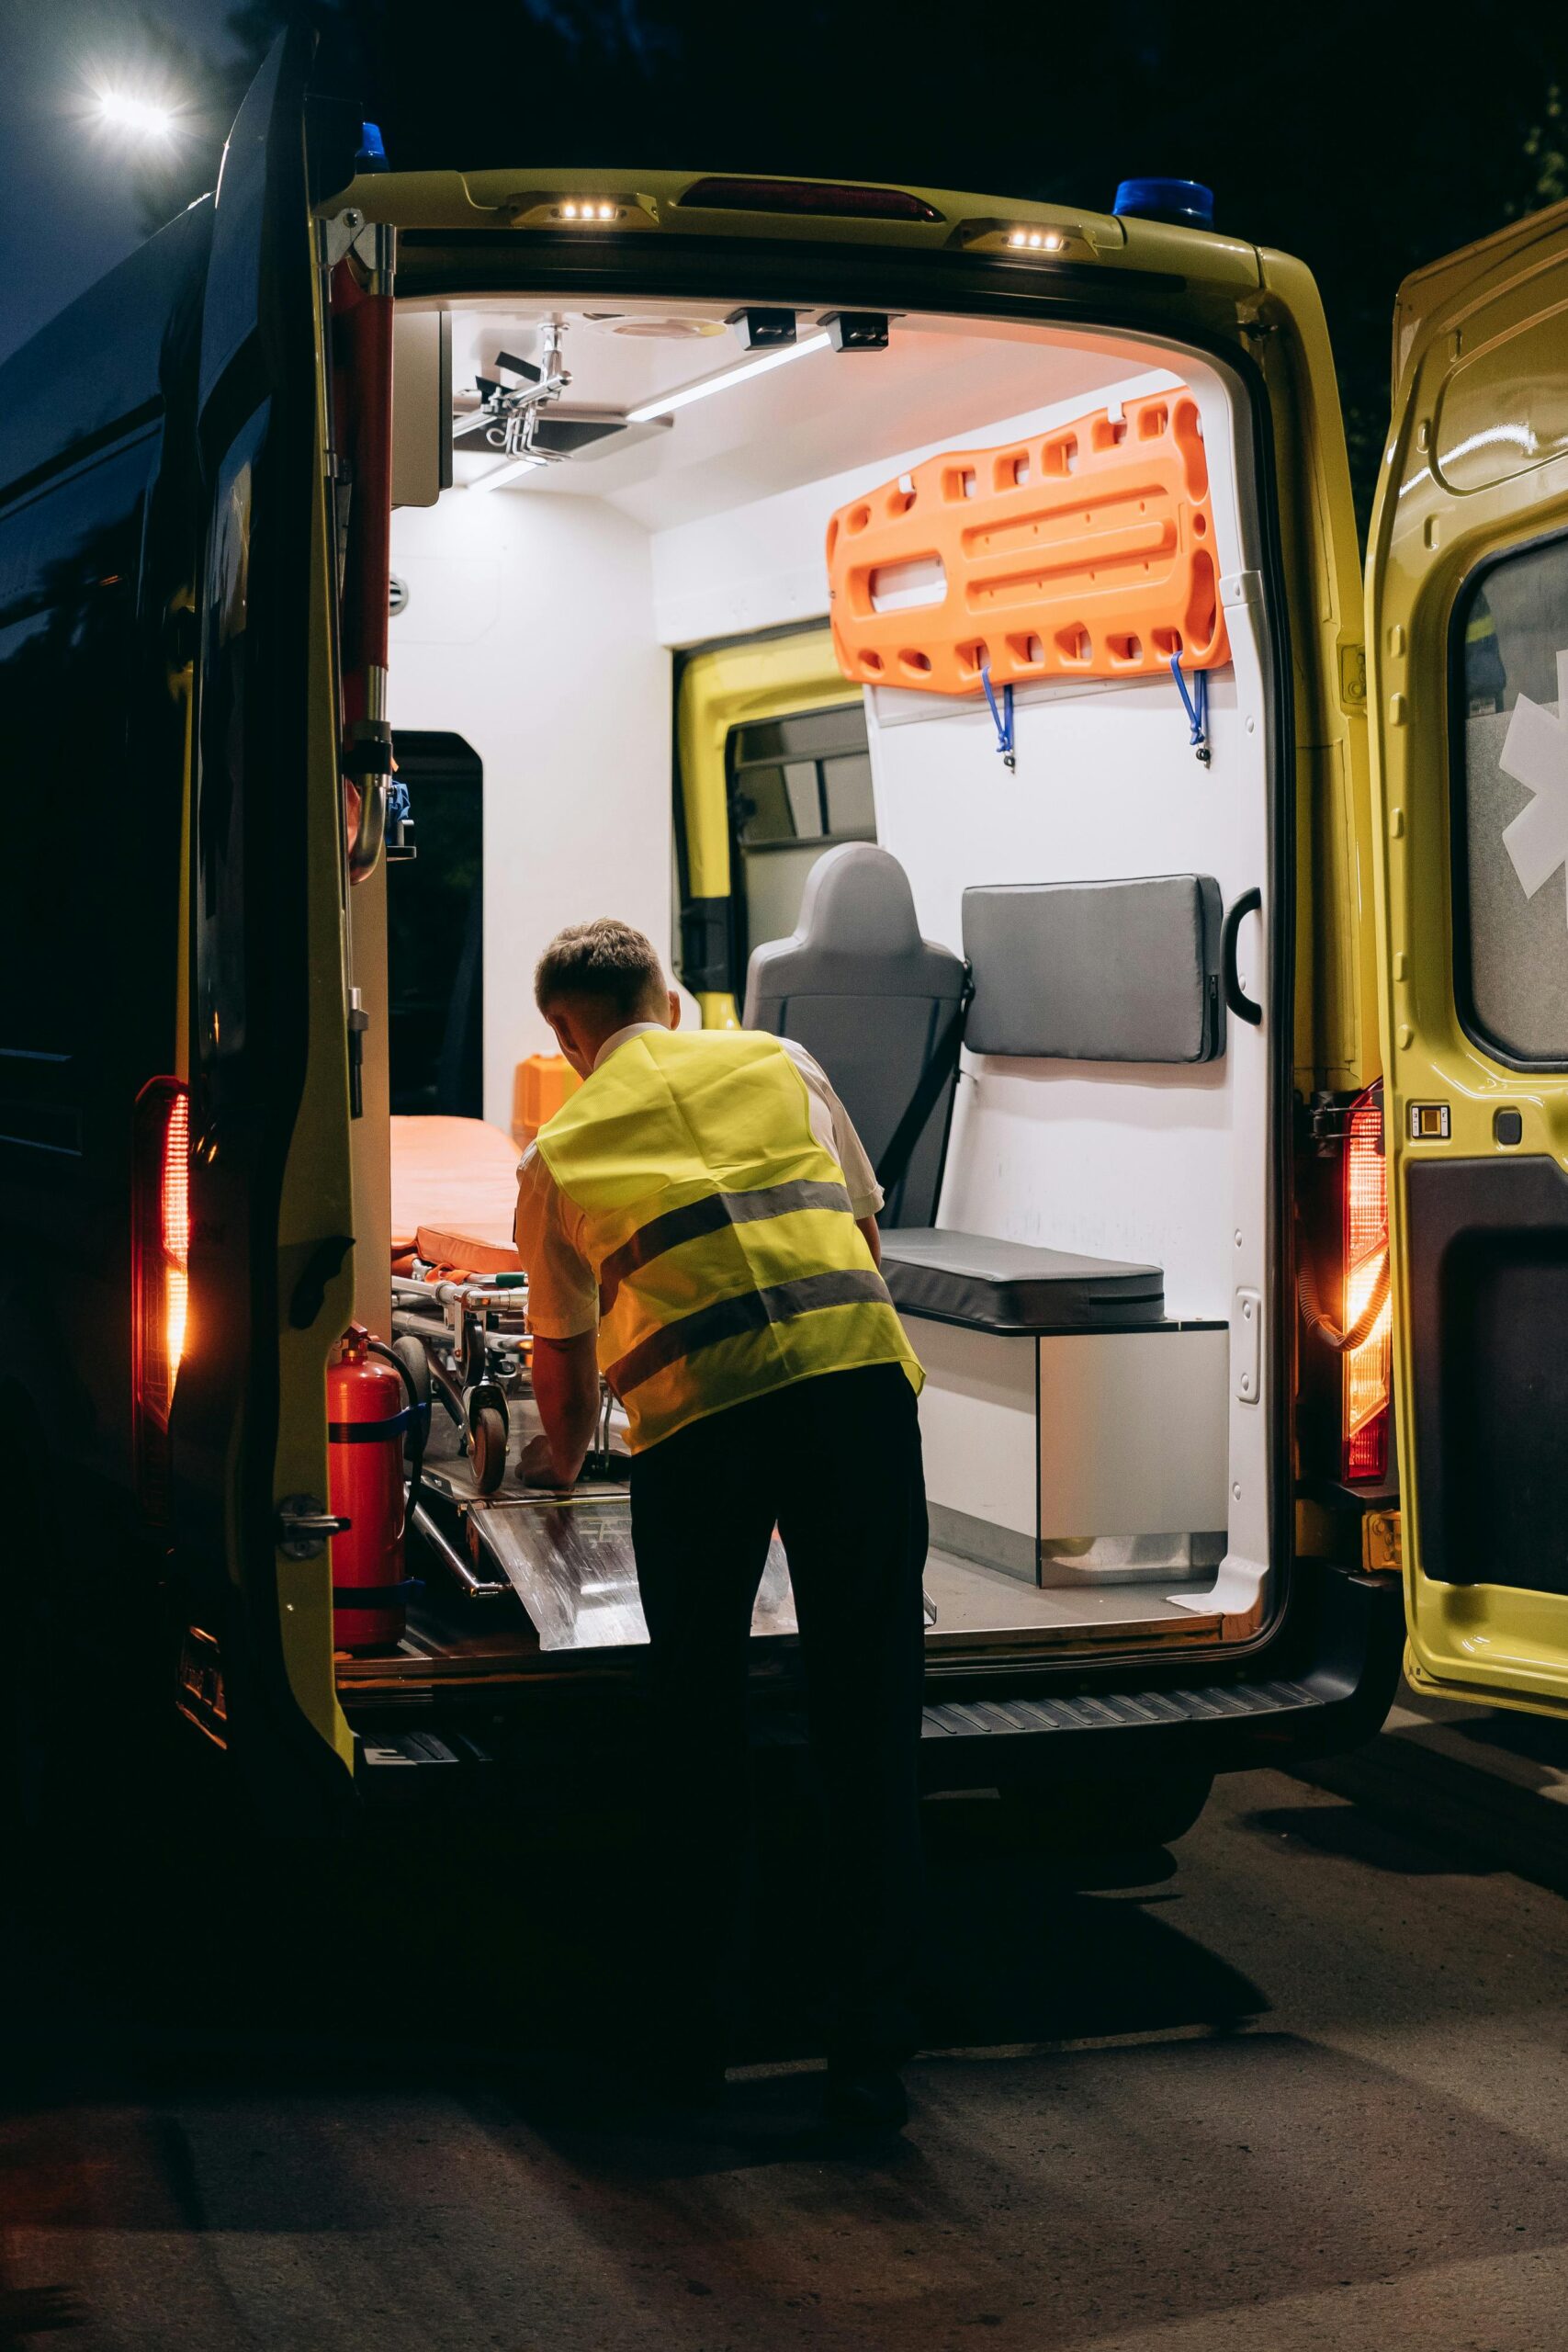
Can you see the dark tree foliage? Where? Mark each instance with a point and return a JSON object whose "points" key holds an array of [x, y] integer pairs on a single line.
{"points": [[1353, 136]]}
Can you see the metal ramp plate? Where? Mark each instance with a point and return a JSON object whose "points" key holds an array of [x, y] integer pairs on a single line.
{"points": [[569, 1562]]}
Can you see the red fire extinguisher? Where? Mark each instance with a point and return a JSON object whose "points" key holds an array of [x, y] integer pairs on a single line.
{"points": [[366, 1418]]}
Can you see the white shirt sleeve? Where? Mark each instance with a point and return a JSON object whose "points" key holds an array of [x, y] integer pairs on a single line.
{"points": [[835, 1131], [563, 1297]]}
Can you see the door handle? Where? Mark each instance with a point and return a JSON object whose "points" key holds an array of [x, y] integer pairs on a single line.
{"points": [[302, 1526], [1249, 903]]}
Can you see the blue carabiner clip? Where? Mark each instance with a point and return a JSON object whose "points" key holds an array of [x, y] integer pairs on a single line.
{"points": [[1196, 705], [1001, 720]]}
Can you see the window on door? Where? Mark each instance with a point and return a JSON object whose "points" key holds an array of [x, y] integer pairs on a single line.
{"points": [[1510, 739], [797, 786]]}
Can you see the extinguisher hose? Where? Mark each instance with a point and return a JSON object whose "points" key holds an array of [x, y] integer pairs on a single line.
{"points": [[418, 1411]]}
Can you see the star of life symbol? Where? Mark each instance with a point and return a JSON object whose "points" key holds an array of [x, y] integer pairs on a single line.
{"points": [[1535, 753]]}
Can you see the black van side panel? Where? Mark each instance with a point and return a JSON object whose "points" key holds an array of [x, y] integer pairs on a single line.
{"points": [[96, 536], [101, 368]]}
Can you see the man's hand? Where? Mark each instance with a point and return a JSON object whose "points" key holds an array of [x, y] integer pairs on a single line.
{"points": [[537, 1467], [566, 1390]]}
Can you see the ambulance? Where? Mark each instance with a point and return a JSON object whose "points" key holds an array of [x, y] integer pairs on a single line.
{"points": [[937, 621]]}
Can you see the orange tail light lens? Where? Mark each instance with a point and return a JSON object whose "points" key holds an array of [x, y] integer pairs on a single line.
{"points": [[159, 1271], [1367, 1368]]}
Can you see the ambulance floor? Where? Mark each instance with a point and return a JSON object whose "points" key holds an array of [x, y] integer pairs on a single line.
{"points": [[973, 1600], [574, 1592]]}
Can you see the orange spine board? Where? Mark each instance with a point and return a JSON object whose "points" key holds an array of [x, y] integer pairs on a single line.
{"points": [[1084, 552]]}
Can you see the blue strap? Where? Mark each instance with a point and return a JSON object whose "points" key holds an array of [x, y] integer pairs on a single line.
{"points": [[1001, 719], [1195, 703], [377, 1595]]}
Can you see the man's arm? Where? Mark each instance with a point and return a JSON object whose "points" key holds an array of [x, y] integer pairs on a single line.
{"points": [[872, 1238], [566, 1390], [563, 1306]]}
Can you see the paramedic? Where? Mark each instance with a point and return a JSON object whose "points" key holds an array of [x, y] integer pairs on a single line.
{"points": [[701, 1216]]}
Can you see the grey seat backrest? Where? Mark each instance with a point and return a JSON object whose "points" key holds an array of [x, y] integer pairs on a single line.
{"points": [[859, 988], [1118, 971]]}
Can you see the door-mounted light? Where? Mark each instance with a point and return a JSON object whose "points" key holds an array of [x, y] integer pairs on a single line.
{"points": [[593, 209], [1040, 240]]}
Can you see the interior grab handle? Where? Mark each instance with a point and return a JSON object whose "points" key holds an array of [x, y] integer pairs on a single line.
{"points": [[1249, 903]]}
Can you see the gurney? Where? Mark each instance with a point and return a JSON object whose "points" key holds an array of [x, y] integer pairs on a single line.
{"points": [[460, 1326], [459, 1298], [568, 1559], [454, 1195]]}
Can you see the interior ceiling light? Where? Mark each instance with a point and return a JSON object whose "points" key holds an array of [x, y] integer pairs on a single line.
{"points": [[758, 365], [498, 476], [655, 330]]}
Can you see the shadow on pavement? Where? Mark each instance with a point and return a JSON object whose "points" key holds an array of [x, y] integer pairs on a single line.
{"points": [[425, 1952]]}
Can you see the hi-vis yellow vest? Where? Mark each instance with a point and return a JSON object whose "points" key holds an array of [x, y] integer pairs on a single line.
{"points": [[719, 1231]]}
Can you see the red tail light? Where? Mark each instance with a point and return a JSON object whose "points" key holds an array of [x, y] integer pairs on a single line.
{"points": [[1367, 1367], [160, 1273]]}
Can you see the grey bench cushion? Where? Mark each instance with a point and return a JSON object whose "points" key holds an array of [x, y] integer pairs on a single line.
{"points": [[1008, 1287]]}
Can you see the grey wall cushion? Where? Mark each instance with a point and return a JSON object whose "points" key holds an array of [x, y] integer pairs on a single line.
{"points": [[1097, 971], [992, 1285], [858, 986]]}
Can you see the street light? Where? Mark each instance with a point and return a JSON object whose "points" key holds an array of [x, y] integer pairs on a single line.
{"points": [[142, 116]]}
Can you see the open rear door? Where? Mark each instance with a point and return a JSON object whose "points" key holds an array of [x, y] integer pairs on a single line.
{"points": [[271, 1217], [1467, 637]]}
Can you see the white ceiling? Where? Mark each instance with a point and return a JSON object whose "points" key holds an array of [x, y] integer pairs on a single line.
{"points": [[940, 378]]}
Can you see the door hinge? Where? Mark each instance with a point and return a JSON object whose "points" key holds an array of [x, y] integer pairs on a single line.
{"points": [[335, 234], [1382, 1542], [1352, 676]]}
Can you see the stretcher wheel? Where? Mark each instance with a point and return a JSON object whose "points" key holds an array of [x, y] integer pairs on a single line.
{"points": [[489, 1448], [411, 1354]]}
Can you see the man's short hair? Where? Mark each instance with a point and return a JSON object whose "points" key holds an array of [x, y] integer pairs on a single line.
{"points": [[606, 961]]}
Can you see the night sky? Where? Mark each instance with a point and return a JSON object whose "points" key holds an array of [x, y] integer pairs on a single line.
{"points": [[1367, 140], [68, 208]]}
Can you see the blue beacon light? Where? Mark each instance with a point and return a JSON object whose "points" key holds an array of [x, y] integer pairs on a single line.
{"points": [[1185, 204]]}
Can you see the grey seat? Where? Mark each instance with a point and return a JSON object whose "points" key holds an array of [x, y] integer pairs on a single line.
{"points": [[859, 989]]}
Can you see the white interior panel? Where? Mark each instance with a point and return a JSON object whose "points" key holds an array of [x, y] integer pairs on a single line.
{"points": [[1132, 1433], [977, 1423], [529, 630]]}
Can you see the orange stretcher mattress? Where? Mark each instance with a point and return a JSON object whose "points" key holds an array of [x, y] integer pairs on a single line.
{"points": [[453, 1193]]}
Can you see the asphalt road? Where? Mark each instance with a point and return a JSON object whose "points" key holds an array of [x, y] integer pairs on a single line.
{"points": [[1302, 2085]]}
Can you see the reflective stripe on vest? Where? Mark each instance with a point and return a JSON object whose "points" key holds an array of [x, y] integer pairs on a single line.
{"points": [[720, 1232]]}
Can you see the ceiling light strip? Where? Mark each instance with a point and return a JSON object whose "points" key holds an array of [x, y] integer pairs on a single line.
{"points": [[686, 393]]}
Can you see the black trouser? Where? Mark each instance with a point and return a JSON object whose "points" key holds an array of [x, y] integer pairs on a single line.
{"points": [[835, 1463]]}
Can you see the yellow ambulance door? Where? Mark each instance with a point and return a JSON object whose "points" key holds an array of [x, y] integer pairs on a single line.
{"points": [[1467, 635]]}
